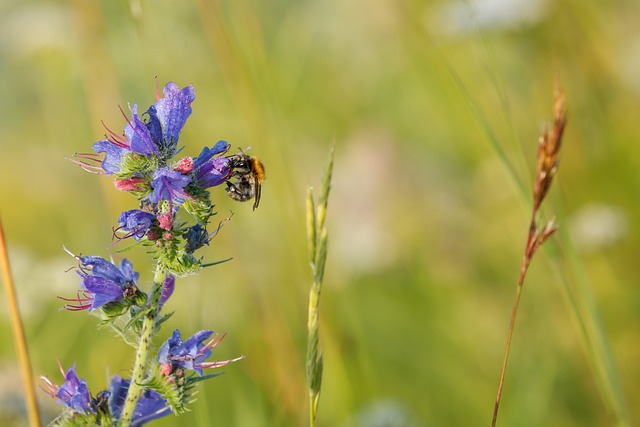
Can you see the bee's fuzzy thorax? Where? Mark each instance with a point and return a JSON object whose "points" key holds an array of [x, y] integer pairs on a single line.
{"points": [[258, 169]]}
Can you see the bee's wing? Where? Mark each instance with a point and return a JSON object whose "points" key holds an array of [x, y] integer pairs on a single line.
{"points": [[258, 188]]}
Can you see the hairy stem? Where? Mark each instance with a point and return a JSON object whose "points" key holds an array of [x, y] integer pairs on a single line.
{"points": [[142, 354]]}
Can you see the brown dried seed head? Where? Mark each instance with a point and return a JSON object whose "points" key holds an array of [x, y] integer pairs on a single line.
{"points": [[542, 150], [559, 123]]}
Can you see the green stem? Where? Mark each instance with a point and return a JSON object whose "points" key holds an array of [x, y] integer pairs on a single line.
{"points": [[313, 356], [142, 355]]}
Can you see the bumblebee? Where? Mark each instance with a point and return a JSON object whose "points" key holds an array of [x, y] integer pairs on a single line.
{"points": [[245, 179]]}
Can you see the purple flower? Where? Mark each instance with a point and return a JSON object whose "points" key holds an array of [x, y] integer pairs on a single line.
{"points": [[150, 406], [171, 112], [136, 139], [158, 136], [209, 170], [113, 154], [196, 237], [73, 393], [140, 139], [104, 282], [169, 184], [136, 223], [167, 288], [191, 354], [175, 354], [166, 119]]}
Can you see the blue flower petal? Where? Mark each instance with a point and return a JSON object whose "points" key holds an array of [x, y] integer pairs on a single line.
{"points": [[187, 355], [104, 280], [213, 173], [173, 110], [113, 153], [155, 127], [196, 341], [103, 290], [207, 153], [196, 237], [150, 406], [139, 135], [100, 267], [74, 392], [127, 270], [165, 350], [167, 289], [136, 222], [168, 185]]}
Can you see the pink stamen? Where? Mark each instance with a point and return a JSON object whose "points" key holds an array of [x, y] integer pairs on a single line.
{"points": [[88, 167], [124, 236], [219, 364], [158, 96], [90, 156], [174, 193], [215, 340], [49, 387], [125, 116], [117, 139], [83, 300], [113, 232]]}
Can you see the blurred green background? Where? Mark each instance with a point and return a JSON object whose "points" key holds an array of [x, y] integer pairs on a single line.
{"points": [[426, 223]]}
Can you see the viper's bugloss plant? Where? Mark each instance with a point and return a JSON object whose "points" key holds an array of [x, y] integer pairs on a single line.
{"points": [[142, 160]]}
